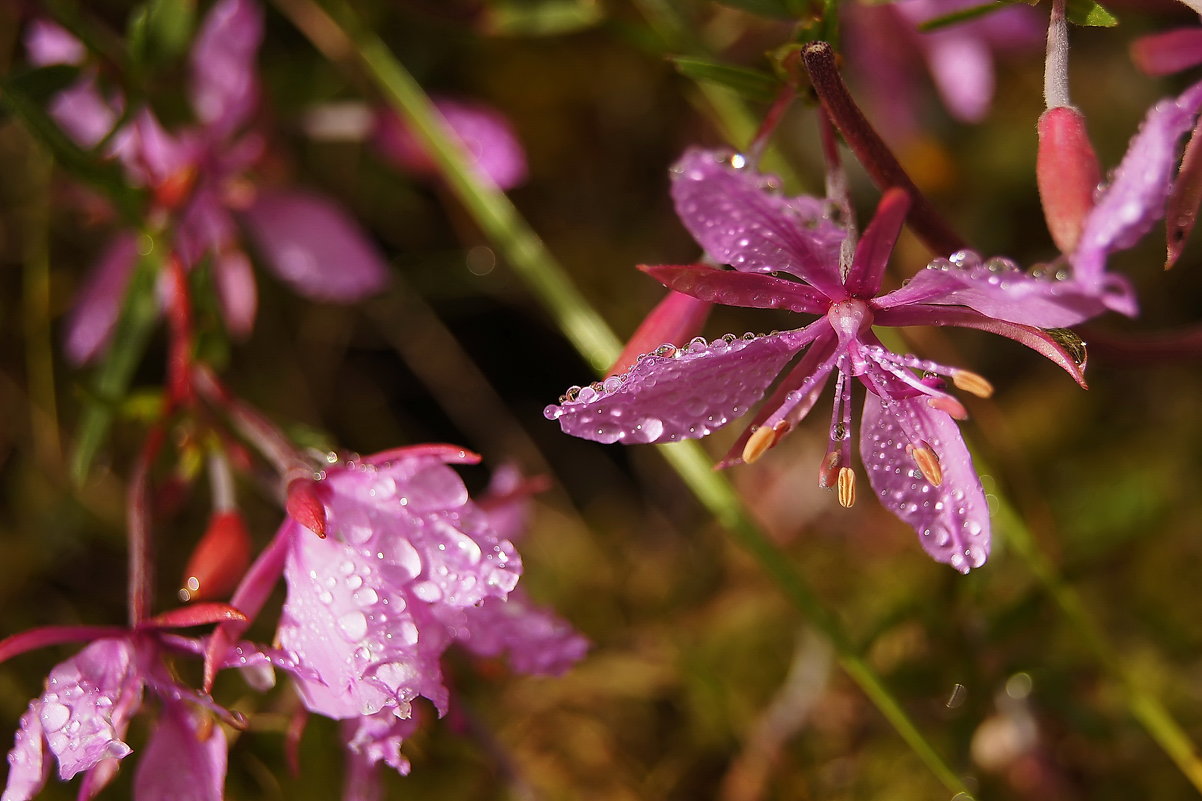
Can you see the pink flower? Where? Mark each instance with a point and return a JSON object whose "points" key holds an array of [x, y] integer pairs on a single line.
{"points": [[408, 565], [916, 461], [886, 44], [197, 175], [82, 716], [486, 136]]}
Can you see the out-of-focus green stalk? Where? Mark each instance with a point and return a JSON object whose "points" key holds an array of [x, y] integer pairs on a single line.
{"points": [[526, 254]]}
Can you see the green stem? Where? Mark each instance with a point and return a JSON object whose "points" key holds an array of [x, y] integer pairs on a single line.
{"points": [[529, 257]]}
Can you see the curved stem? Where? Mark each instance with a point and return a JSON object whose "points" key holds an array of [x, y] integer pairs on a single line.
{"points": [[588, 332]]}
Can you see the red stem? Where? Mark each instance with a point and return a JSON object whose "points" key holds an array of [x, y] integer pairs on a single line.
{"points": [[882, 166], [141, 564]]}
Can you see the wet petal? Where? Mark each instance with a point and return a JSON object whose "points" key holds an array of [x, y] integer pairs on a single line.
{"points": [[224, 85], [733, 288], [1136, 197], [181, 762], [27, 765], [86, 706], [1060, 346], [98, 304], [739, 220], [952, 520], [999, 288], [534, 639], [683, 395], [315, 248], [675, 320]]}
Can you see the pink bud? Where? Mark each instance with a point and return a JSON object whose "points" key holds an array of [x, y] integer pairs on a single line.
{"points": [[305, 507], [676, 319], [1067, 172], [220, 559]]}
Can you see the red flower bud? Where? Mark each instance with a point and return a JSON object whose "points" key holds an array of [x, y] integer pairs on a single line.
{"points": [[305, 507], [220, 559], [1067, 172]]}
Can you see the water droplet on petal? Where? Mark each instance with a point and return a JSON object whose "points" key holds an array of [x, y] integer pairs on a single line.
{"points": [[353, 626], [54, 716]]}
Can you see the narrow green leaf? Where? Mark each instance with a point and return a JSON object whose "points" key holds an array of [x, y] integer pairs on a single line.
{"points": [[964, 14], [1090, 13], [751, 84], [159, 31], [111, 379], [544, 17], [778, 9]]}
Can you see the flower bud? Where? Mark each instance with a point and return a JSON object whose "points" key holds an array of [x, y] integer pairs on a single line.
{"points": [[305, 507], [220, 559], [1067, 172]]}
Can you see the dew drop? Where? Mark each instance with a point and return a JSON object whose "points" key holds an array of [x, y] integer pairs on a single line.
{"points": [[353, 625], [54, 716]]}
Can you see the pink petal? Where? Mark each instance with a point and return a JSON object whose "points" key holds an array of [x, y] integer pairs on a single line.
{"points": [[1001, 289], [83, 113], [314, 247], [150, 154], [733, 288], [962, 66], [1060, 346], [47, 43], [675, 319], [197, 614], [739, 220], [876, 245], [534, 639], [45, 636], [682, 394], [178, 763], [1168, 52], [85, 708], [1136, 197], [223, 83], [490, 142], [952, 520], [91, 322], [236, 291], [370, 740], [27, 765]]}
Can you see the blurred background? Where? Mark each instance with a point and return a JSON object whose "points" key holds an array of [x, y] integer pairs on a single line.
{"points": [[702, 681]]}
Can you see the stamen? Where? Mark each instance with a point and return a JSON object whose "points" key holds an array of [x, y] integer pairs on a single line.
{"points": [[828, 470], [928, 462], [948, 404], [758, 444], [971, 382], [847, 487]]}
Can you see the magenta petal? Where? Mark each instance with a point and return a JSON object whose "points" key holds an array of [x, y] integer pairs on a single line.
{"points": [[675, 319], [84, 710], [179, 763], [1168, 52], [98, 304], [1002, 290], [47, 43], [236, 291], [83, 113], [314, 247], [876, 245], [370, 740], [739, 220], [27, 765], [962, 66], [1060, 346], [1136, 197], [685, 395], [534, 639], [733, 288], [952, 520], [223, 83]]}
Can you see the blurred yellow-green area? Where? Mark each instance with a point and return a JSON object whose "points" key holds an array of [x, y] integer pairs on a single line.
{"points": [[702, 682]]}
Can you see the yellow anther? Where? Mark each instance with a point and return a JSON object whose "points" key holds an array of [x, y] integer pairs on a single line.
{"points": [[969, 381], [758, 444], [847, 487], [928, 463]]}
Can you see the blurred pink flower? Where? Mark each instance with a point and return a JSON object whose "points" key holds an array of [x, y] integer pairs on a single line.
{"points": [[486, 136], [909, 443], [408, 566], [886, 47], [197, 174]]}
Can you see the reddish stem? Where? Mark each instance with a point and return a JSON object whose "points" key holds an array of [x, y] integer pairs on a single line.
{"points": [[882, 166], [141, 564]]}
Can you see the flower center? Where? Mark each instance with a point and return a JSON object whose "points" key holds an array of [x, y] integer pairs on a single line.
{"points": [[849, 317]]}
